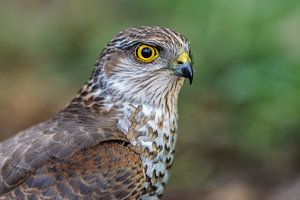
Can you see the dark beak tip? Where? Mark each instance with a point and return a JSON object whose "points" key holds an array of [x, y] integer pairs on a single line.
{"points": [[191, 80], [185, 70], [190, 75]]}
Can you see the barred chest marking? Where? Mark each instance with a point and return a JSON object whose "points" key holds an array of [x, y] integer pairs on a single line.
{"points": [[154, 134]]}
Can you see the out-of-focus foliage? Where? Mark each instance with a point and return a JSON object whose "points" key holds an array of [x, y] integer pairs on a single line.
{"points": [[239, 121]]}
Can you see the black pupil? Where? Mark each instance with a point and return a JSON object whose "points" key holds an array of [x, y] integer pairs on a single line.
{"points": [[146, 52]]}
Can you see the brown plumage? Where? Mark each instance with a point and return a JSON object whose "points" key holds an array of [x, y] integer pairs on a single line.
{"points": [[116, 138]]}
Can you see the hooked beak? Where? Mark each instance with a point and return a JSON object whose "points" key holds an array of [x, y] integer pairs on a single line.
{"points": [[184, 67]]}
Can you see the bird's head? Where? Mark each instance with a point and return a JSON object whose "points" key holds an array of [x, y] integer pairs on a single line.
{"points": [[144, 65]]}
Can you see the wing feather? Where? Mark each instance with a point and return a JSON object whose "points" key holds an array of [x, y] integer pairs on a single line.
{"points": [[74, 129], [107, 171]]}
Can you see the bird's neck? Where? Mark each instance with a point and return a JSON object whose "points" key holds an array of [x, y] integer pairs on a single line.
{"points": [[98, 99], [160, 95]]}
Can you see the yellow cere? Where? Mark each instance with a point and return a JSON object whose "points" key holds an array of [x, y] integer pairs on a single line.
{"points": [[183, 58], [146, 53]]}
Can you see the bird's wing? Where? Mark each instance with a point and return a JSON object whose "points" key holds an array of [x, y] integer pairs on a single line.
{"points": [[47, 153], [107, 171]]}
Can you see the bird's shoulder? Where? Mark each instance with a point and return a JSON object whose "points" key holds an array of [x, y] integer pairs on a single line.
{"points": [[107, 171], [71, 130]]}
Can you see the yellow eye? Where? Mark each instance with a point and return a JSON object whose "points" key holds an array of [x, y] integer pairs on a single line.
{"points": [[146, 53]]}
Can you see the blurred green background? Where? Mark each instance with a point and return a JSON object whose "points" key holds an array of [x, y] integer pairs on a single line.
{"points": [[240, 120]]}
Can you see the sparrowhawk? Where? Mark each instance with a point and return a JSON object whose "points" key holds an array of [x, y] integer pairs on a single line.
{"points": [[116, 138]]}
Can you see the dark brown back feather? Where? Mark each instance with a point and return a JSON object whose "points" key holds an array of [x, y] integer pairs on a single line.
{"points": [[76, 128], [107, 171]]}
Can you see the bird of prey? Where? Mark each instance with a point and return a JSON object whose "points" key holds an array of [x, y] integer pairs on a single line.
{"points": [[116, 138]]}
